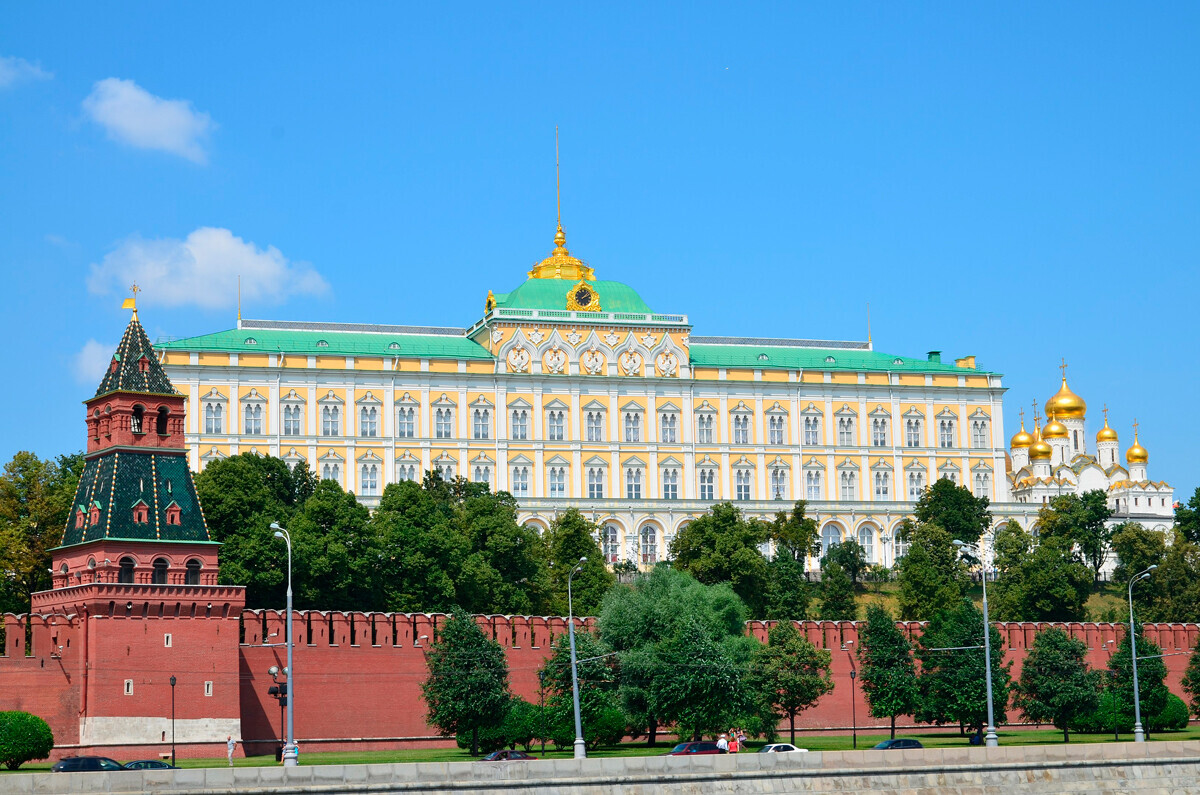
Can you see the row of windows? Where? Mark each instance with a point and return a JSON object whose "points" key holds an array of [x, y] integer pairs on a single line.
{"points": [[594, 426]]}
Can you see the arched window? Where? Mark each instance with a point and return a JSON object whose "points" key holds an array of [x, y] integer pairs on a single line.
{"points": [[775, 428], [633, 427], [879, 432], [649, 544], [595, 426], [558, 482], [946, 433], [912, 433], [741, 429], [670, 484], [125, 573], [160, 423], [483, 474], [779, 483], [139, 413], [330, 421], [916, 485], [520, 424], [368, 421], [743, 483], [849, 485], [369, 480], [160, 571], [192, 577], [331, 472], [253, 417], [983, 484], [866, 540], [555, 425], [812, 430], [708, 484], [595, 483], [633, 484], [213, 418], [481, 424], [704, 429], [520, 481], [830, 534], [883, 485], [845, 430], [406, 423], [979, 434], [443, 423], [670, 428], [610, 543], [291, 420]]}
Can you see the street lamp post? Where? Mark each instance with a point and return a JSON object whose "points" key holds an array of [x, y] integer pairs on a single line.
{"points": [[172, 721], [990, 740], [1139, 736], [580, 745], [853, 710], [290, 756], [542, 707]]}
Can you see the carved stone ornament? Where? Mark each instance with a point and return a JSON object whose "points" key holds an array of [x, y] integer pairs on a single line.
{"points": [[668, 364], [684, 339], [556, 360], [574, 337], [497, 334], [518, 360], [611, 338], [648, 339], [631, 362], [536, 336], [592, 361]]}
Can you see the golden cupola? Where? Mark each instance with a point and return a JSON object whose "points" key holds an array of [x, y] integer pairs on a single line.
{"points": [[1055, 430], [1022, 438], [560, 264], [1065, 404], [1106, 434], [1039, 450], [1136, 454]]}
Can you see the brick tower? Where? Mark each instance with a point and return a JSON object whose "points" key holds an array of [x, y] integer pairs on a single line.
{"points": [[137, 571]]}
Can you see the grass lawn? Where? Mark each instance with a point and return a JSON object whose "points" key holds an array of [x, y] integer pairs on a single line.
{"points": [[813, 742]]}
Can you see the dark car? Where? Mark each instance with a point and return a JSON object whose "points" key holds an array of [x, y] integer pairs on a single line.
{"points": [[699, 747], [887, 745], [507, 756], [148, 764], [80, 764]]}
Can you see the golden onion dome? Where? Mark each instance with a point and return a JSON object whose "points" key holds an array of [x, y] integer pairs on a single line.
{"points": [[1136, 454], [1106, 434], [1022, 438], [1040, 451], [1065, 404], [560, 264], [1054, 430]]}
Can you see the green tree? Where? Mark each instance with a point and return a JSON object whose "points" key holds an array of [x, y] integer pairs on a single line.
{"points": [[789, 674], [837, 594], [722, 546], [35, 503], [788, 591], [888, 672], [23, 738], [1191, 680], [336, 554], [930, 574], [1152, 674], [1079, 520], [1173, 593], [795, 534], [599, 702], [850, 555], [522, 724], [467, 686], [699, 686], [954, 509], [571, 537], [1187, 518], [953, 683], [1038, 583], [1056, 685], [638, 618], [1137, 549], [423, 549]]}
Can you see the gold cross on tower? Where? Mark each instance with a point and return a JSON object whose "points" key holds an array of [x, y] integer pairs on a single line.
{"points": [[1063, 367], [131, 303]]}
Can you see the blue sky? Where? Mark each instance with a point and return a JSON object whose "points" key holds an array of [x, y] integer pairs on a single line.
{"points": [[1017, 183]]}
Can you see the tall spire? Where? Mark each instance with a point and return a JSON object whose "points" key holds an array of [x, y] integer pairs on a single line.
{"points": [[560, 264]]}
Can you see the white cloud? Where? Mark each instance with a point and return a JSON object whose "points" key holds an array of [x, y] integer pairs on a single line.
{"points": [[92, 360], [203, 271], [14, 70], [132, 115]]}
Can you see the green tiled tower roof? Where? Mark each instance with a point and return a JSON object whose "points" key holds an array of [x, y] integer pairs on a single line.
{"points": [[130, 375], [542, 293]]}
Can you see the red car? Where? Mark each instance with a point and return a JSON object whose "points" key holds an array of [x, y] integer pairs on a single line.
{"points": [[699, 747], [508, 756]]}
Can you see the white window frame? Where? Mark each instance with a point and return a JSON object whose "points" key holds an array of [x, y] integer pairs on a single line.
{"points": [[707, 477], [743, 484], [633, 426], [668, 422], [634, 475], [670, 483], [519, 430], [705, 427], [596, 476]]}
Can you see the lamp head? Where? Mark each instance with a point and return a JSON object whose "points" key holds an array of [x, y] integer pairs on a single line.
{"points": [[959, 543], [582, 561], [1151, 568], [278, 534], [172, 678], [275, 526], [273, 670]]}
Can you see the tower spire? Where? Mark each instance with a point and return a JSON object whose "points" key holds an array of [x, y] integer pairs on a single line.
{"points": [[560, 238], [131, 303]]}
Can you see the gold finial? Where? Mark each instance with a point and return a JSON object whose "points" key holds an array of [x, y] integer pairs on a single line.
{"points": [[1106, 414], [1063, 368], [868, 323], [560, 238], [1022, 413], [239, 300], [131, 303], [560, 264], [1135, 430]]}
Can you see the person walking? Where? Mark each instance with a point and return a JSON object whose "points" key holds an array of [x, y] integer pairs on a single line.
{"points": [[733, 741], [230, 747], [723, 744]]}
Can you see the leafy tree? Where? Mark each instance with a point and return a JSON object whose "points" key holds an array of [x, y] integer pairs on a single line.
{"points": [[1042, 583], [571, 537], [931, 576], [599, 704], [522, 724], [788, 592], [888, 671], [506, 568], [423, 549], [722, 546], [1152, 673], [1079, 520], [467, 687], [1191, 680], [796, 534], [837, 594], [336, 554], [1187, 518], [789, 674], [1173, 717], [699, 686], [1173, 593], [23, 738], [955, 509], [1056, 685], [953, 683], [638, 618], [35, 503], [850, 555], [1137, 549]]}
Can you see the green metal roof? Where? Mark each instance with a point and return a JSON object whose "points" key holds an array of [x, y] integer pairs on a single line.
{"points": [[135, 367], [797, 358], [552, 294], [336, 343]]}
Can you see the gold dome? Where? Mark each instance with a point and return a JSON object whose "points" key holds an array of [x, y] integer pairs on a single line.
{"points": [[1136, 454], [1040, 451], [1054, 430], [1022, 438], [1065, 404], [1106, 434], [560, 264]]}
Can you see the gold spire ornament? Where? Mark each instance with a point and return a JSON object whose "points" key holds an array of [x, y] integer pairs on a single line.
{"points": [[1106, 434], [131, 303], [1065, 405], [560, 264], [1022, 438], [1136, 454]]}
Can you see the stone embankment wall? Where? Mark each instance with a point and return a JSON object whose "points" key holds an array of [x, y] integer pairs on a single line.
{"points": [[1117, 768]]}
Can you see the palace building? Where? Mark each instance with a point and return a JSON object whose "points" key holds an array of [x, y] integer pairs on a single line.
{"points": [[571, 391]]}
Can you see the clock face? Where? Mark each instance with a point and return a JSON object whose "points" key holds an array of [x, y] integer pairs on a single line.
{"points": [[583, 296]]}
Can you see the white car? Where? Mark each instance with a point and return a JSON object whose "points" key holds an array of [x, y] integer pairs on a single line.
{"points": [[774, 748]]}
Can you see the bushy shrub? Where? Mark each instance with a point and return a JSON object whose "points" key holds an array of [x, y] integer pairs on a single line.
{"points": [[491, 738], [1103, 719], [523, 724], [1173, 717], [23, 738]]}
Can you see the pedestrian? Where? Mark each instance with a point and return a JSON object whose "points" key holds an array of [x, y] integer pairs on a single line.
{"points": [[723, 744], [741, 738], [733, 741], [230, 747]]}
